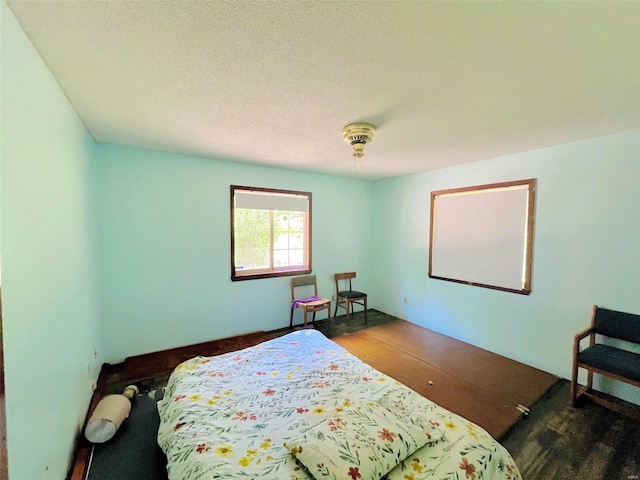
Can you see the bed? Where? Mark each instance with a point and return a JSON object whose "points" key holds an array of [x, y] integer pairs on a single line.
{"points": [[302, 407]]}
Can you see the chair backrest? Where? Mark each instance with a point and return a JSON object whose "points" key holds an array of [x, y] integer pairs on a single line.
{"points": [[301, 281], [620, 325], [344, 276]]}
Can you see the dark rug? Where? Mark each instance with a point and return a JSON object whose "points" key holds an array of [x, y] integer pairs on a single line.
{"points": [[133, 453], [560, 442]]}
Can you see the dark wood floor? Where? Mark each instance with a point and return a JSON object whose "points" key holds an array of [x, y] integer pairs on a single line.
{"points": [[560, 442], [555, 441], [483, 387]]}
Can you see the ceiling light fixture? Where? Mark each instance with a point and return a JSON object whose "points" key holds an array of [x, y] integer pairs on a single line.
{"points": [[358, 135]]}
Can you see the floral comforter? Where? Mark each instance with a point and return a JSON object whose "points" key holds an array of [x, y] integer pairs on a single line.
{"points": [[229, 416]]}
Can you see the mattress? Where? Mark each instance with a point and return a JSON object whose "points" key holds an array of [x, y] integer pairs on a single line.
{"points": [[237, 416]]}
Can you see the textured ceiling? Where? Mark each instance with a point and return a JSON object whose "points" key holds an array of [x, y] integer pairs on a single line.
{"points": [[275, 82]]}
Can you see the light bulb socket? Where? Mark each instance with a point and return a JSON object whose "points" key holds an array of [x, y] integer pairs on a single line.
{"points": [[358, 135]]}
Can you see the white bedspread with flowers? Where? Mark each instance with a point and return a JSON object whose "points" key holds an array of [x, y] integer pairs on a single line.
{"points": [[229, 416]]}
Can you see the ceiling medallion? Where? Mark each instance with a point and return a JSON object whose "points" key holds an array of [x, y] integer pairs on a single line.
{"points": [[358, 135]]}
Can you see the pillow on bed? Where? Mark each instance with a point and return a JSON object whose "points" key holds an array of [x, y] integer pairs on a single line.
{"points": [[363, 442]]}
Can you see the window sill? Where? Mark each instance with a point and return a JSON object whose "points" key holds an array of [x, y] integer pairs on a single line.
{"points": [[254, 276]]}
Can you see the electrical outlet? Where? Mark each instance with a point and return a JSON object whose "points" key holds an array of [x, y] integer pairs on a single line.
{"points": [[405, 300]]}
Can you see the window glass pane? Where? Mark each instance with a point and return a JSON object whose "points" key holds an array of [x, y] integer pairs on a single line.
{"points": [[281, 241], [281, 221], [296, 241], [296, 222], [296, 258], [280, 258], [288, 230], [252, 239]]}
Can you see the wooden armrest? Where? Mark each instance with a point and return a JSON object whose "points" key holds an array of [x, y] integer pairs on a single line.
{"points": [[578, 337], [582, 334]]}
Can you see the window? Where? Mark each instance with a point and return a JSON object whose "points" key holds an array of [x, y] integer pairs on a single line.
{"points": [[270, 233], [483, 235]]}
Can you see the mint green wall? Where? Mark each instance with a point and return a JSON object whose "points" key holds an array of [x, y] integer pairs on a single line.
{"points": [[158, 225], [164, 243], [49, 291], [586, 251]]}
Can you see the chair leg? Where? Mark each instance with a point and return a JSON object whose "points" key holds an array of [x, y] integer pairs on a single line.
{"points": [[589, 379], [305, 318], [365, 310], [313, 319], [574, 384], [335, 312], [291, 318], [348, 302]]}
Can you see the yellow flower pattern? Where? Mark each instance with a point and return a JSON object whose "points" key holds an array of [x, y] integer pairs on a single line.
{"points": [[417, 466], [451, 425], [248, 458], [266, 445], [224, 451]]}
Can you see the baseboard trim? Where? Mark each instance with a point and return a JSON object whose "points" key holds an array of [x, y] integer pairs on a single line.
{"points": [[141, 366]]}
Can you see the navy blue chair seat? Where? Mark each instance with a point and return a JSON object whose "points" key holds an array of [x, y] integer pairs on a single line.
{"points": [[351, 294], [611, 359]]}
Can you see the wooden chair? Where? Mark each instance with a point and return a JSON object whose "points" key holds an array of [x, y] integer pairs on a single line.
{"points": [[309, 304], [346, 298], [605, 359]]}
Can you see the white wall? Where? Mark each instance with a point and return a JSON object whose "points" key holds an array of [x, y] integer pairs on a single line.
{"points": [[586, 251], [165, 248], [49, 291]]}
